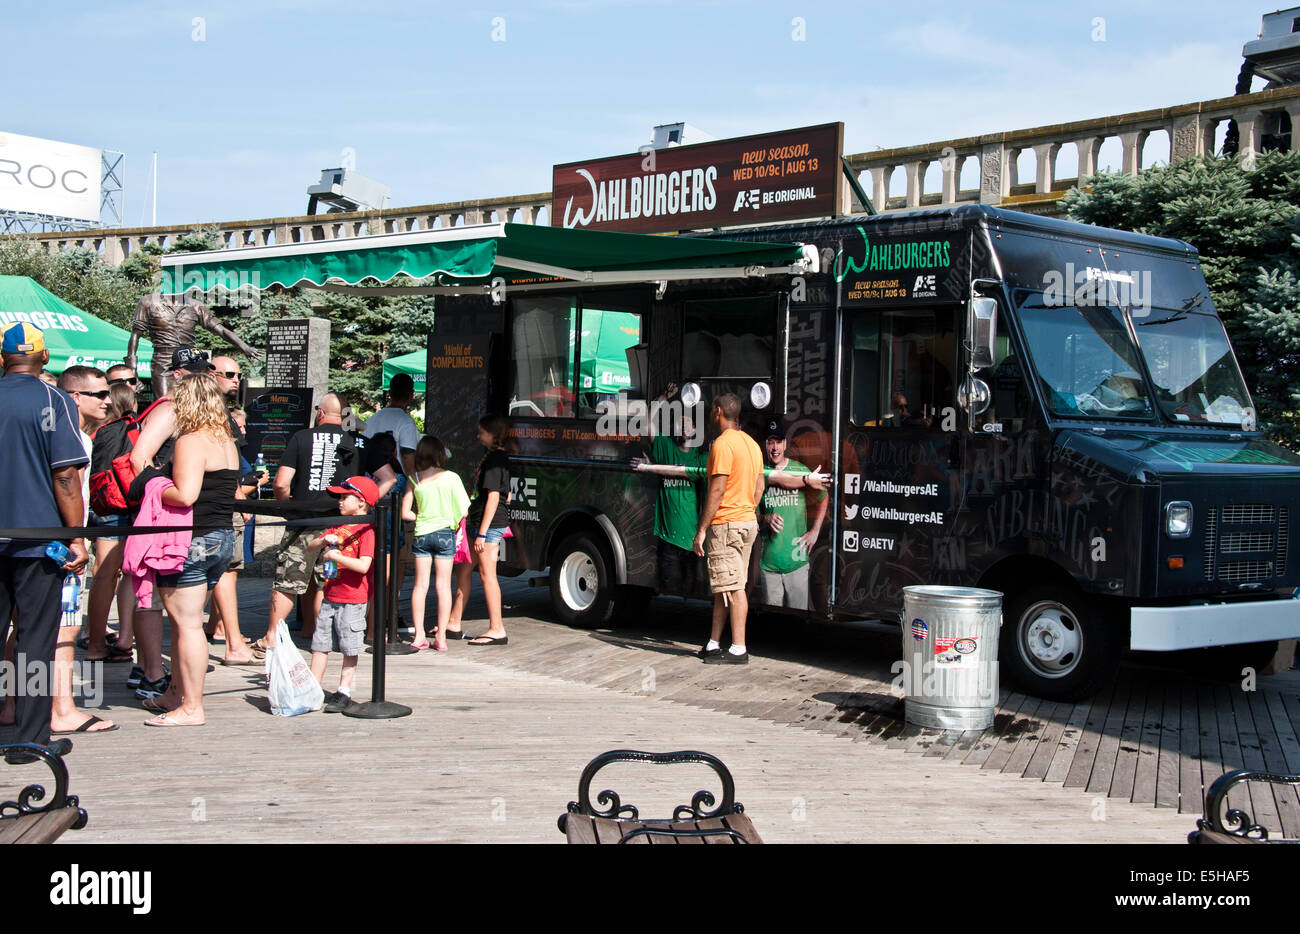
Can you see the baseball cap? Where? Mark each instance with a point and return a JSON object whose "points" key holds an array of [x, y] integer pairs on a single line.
{"points": [[775, 430], [23, 338], [362, 486], [192, 359]]}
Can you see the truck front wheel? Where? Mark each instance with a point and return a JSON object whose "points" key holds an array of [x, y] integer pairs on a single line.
{"points": [[1056, 645], [582, 589]]}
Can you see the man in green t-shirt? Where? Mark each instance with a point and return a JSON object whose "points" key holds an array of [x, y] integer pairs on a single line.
{"points": [[783, 522], [677, 512]]}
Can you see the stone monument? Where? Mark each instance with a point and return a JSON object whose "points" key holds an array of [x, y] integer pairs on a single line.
{"points": [[298, 354]]}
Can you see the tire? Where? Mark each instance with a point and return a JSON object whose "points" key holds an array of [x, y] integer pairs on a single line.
{"points": [[582, 589], [1056, 643]]}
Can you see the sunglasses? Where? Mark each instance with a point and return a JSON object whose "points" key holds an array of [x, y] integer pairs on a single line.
{"points": [[100, 394], [130, 382], [228, 374]]}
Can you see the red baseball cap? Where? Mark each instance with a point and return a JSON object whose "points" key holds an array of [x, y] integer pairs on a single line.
{"points": [[361, 486]]}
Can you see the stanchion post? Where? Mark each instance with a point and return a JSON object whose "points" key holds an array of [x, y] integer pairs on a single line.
{"points": [[377, 708], [393, 644]]}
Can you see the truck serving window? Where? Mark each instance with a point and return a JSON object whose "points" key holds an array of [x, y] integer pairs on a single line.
{"points": [[543, 336], [550, 333], [1085, 360], [902, 364], [1191, 362]]}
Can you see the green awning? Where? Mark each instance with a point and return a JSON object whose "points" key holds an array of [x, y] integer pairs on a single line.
{"points": [[72, 336], [468, 256]]}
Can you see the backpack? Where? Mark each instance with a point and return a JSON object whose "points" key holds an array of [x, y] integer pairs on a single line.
{"points": [[111, 473]]}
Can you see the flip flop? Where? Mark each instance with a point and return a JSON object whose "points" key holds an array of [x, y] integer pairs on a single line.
{"points": [[420, 648], [456, 634], [249, 663], [114, 655], [86, 727], [489, 640], [164, 720]]}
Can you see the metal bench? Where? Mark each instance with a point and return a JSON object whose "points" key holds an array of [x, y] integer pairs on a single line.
{"points": [[690, 823], [1222, 825], [23, 821]]}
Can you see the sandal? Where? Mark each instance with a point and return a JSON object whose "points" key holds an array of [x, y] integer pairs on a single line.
{"points": [[419, 646], [114, 655]]}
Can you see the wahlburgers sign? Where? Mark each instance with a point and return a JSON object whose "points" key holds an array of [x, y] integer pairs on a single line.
{"points": [[872, 269], [749, 180]]}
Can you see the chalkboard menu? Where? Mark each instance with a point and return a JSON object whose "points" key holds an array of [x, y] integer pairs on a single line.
{"points": [[273, 417], [286, 353], [456, 395]]}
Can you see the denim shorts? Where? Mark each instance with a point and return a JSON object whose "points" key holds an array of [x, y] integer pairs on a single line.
{"points": [[492, 536], [112, 522], [208, 559], [440, 543]]}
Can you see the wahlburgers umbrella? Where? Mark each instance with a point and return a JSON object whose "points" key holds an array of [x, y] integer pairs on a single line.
{"points": [[72, 336]]}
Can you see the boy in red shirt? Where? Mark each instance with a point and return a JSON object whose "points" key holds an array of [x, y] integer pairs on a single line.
{"points": [[342, 619]]}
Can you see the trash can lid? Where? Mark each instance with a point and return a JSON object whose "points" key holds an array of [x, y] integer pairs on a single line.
{"points": [[941, 595]]}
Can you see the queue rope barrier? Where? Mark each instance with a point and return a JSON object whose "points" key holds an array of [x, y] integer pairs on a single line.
{"points": [[385, 536]]}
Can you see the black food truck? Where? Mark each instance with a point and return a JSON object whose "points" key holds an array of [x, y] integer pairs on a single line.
{"points": [[1002, 400]]}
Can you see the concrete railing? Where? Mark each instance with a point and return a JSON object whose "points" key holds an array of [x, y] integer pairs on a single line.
{"points": [[1192, 130], [116, 244]]}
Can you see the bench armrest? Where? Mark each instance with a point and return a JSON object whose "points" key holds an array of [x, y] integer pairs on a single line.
{"points": [[32, 793], [1236, 822]]}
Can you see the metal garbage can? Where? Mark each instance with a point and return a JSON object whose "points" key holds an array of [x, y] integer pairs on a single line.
{"points": [[950, 655]]}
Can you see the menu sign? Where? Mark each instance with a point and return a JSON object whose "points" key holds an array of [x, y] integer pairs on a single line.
{"points": [[272, 418], [748, 180]]}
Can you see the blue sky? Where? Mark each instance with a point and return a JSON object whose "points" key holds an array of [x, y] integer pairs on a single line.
{"points": [[246, 118]]}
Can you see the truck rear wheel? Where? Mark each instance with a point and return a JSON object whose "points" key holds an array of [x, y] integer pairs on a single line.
{"points": [[582, 589], [1056, 645]]}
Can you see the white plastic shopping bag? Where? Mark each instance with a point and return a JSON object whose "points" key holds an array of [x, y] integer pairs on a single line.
{"points": [[291, 686]]}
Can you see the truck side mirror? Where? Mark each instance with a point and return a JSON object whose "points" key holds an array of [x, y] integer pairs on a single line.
{"points": [[982, 327]]}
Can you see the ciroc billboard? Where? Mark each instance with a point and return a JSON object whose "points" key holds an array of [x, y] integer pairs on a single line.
{"points": [[41, 176]]}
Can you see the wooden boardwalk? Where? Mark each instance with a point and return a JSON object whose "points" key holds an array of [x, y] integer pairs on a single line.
{"points": [[1156, 738], [493, 751]]}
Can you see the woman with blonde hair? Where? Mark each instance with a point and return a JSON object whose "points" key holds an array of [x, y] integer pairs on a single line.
{"points": [[205, 471]]}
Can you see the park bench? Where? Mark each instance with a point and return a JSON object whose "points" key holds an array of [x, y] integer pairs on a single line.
{"points": [[690, 823], [1223, 825], [24, 821]]}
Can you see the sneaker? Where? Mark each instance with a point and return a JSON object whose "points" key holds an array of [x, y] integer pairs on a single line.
{"points": [[709, 653], [135, 677], [59, 747], [337, 702], [157, 688], [727, 658]]}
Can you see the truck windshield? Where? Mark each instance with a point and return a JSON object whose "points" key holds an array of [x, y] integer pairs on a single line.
{"points": [[1195, 373], [1086, 362]]}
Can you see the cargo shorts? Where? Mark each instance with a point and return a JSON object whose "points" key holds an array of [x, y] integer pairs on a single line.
{"points": [[295, 564], [727, 547]]}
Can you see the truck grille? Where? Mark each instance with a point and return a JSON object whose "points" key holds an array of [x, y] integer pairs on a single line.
{"points": [[1246, 542]]}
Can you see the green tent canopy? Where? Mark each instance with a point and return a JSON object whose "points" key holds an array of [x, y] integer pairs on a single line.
{"points": [[471, 256], [72, 336], [412, 364]]}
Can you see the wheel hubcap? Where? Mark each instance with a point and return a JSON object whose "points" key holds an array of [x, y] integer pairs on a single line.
{"points": [[1052, 640], [578, 581]]}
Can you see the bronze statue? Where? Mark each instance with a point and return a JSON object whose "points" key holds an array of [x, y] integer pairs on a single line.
{"points": [[171, 326]]}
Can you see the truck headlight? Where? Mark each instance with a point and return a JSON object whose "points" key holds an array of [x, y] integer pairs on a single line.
{"points": [[1178, 519]]}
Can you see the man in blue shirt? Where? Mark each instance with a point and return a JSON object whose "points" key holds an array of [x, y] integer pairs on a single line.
{"points": [[42, 443]]}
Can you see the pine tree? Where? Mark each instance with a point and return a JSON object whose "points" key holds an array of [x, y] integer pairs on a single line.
{"points": [[1243, 221]]}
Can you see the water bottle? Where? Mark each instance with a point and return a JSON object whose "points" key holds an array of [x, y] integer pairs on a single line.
{"points": [[330, 570], [58, 552], [71, 597], [259, 466]]}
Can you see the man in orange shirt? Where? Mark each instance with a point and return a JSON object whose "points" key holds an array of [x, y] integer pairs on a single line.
{"points": [[728, 527]]}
